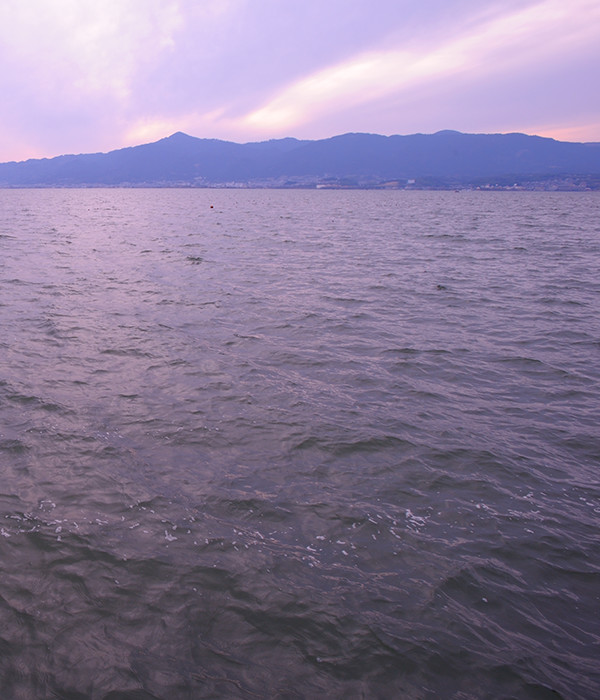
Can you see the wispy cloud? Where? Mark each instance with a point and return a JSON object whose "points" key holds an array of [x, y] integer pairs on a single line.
{"points": [[82, 75], [529, 35], [66, 63], [97, 45]]}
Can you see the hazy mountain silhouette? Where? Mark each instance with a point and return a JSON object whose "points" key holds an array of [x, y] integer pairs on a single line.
{"points": [[359, 158]]}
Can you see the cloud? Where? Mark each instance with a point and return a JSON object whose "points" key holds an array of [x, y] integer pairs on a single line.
{"points": [[67, 62], [96, 45], [527, 36], [83, 75]]}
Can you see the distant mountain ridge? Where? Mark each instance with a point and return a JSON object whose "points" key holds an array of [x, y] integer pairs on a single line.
{"points": [[354, 159]]}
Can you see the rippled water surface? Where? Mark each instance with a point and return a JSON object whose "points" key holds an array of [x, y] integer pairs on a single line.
{"points": [[299, 444]]}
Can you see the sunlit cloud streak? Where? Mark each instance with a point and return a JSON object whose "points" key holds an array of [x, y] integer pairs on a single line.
{"points": [[536, 33], [79, 75]]}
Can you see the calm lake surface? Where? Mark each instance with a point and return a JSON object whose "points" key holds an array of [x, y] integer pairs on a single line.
{"points": [[299, 444]]}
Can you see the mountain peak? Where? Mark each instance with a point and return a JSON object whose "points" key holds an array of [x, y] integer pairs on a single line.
{"points": [[349, 159]]}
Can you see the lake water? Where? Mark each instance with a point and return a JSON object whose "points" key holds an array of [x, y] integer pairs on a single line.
{"points": [[299, 444]]}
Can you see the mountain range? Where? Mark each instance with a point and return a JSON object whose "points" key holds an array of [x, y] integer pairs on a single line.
{"points": [[443, 159]]}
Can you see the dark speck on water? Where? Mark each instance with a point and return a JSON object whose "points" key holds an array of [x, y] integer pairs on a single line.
{"points": [[255, 453]]}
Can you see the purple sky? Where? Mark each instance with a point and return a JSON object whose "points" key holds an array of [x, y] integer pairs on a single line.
{"points": [[94, 75]]}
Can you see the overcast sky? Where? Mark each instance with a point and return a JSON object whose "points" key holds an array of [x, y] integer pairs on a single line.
{"points": [[93, 75]]}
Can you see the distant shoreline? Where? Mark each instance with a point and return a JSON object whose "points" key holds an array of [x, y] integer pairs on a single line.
{"points": [[492, 187], [446, 160]]}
